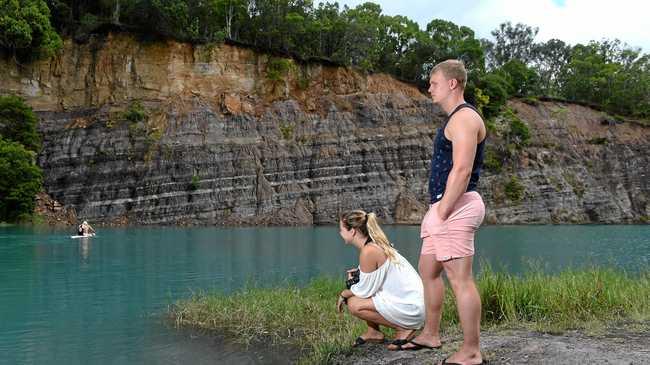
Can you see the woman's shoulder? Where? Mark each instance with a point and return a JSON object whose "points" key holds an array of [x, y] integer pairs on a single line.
{"points": [[371, 257]]}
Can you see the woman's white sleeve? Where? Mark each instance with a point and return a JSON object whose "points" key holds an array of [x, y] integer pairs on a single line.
{"points": [[369, 283]]}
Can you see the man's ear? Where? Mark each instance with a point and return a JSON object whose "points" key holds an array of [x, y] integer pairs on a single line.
{"points": [[354, 231], [453, 83]]}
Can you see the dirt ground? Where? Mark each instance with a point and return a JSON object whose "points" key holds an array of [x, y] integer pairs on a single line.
{"points": [[612, 346]]}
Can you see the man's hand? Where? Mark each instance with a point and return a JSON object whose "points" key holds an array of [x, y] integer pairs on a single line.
{"points": [[443, 214]]}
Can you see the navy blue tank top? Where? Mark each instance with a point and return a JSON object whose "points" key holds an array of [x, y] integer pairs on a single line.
{"points": [[441, 161]]}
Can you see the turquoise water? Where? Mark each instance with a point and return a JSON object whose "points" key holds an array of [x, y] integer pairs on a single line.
{"points": [[102, 300]]}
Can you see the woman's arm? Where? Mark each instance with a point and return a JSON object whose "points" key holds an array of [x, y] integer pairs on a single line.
{"points": [[369, 260], [370, 278], [343, 299]]}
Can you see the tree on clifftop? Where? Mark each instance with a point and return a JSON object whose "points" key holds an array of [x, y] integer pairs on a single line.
{"points": [[25, 29]]}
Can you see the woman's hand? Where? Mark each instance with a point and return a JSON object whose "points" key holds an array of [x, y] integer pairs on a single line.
{"points": [[339, 304]]}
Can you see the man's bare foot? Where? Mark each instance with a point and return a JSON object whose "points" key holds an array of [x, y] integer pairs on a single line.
{"points": [[423, 340], [401, 338], [464, 359]]}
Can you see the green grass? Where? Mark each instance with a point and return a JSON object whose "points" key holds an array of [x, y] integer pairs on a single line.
{"points": [[305, 318]]}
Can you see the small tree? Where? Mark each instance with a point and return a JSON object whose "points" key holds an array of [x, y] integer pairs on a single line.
{"points": [[18, 123], [20, 180]]}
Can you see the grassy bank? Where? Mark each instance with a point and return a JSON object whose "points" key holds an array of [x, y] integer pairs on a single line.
{"points": [[305, 317]]}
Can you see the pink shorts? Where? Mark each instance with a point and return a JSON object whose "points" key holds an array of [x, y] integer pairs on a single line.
{"points": [[454, 237]]}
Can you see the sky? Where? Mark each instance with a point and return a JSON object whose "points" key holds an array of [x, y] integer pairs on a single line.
{"points": [[573, 21]]}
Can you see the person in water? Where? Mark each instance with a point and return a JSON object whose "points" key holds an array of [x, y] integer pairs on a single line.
{"points": [[85, 229], [455, 213], [389, 291]]}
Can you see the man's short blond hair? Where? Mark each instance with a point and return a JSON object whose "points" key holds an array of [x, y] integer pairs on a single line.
{"points": [[452, 69]]}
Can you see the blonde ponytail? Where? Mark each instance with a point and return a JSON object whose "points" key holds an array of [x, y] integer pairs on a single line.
{"points": [[379, 237], [368, 225]]}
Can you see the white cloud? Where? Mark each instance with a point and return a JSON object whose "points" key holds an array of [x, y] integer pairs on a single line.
{"points": [[577, 21]]}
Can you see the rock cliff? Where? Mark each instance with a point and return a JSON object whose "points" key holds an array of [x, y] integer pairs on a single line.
{"points": [[171, 133]]}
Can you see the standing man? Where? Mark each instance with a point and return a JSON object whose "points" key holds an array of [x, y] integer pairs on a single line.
{"points": [[455, 213]]}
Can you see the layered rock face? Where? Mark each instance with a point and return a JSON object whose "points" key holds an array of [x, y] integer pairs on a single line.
{"points": [[579, 167], [221, 135]]}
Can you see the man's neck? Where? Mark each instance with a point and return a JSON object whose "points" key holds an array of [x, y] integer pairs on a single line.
{"points": [[451, 103]]}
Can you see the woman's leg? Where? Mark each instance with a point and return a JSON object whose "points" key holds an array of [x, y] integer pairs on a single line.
{"points": [[365, 310]]}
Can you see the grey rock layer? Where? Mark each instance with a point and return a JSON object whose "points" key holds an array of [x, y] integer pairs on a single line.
{"points": [[224, 144]]}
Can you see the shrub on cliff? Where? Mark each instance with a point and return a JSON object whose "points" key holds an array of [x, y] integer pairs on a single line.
{"points": [[514, 190], [18, 123], [20, 180], [493, 160], [25, 29], [135, 113], [277, 69], [518, 130]]}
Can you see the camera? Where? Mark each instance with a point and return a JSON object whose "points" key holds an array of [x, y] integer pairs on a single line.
{"points": [[353, 280]]}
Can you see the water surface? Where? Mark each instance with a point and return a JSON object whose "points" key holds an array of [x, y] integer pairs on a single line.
{"points": [[101, 300]]}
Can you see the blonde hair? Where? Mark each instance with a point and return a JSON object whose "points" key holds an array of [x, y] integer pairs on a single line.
{"points": [[452, 69], [367, 224]]}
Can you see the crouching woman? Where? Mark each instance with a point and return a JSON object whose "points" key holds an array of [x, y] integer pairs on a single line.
{"points": [[389, 291]]}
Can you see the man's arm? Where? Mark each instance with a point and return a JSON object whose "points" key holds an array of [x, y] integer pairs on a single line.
{"points": [[463, 131]]}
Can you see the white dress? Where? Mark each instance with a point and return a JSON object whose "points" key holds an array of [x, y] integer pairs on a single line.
{"points": [[396, 290]]}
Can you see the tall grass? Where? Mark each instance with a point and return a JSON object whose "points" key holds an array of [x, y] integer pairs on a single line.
{"points": [[305, 317]]}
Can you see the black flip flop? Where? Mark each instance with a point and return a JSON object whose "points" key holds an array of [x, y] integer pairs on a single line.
{"points": [[399, 343], [419, 346], [360, 341]]}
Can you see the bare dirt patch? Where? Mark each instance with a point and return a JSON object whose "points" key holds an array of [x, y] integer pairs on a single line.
{"points": [[612, 346]]}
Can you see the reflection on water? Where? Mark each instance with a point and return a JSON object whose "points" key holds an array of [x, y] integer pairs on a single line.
{"points": [[99, 300]]}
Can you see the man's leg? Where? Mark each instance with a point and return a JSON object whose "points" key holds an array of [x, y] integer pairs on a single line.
{"points": [[459, 273], [434, 294]]}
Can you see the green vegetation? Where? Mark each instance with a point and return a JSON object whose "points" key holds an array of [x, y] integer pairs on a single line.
{"points": [[18, 123], [20, 180], [20, 177], [508, 134], [493, 161], [531, 100], [577, 185], [514, 189], [304, 317], [136, 113], [518, 130], [194, 185], [559, 112], [286, 129], [613, 76], [277, 69], [25, 29]]}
